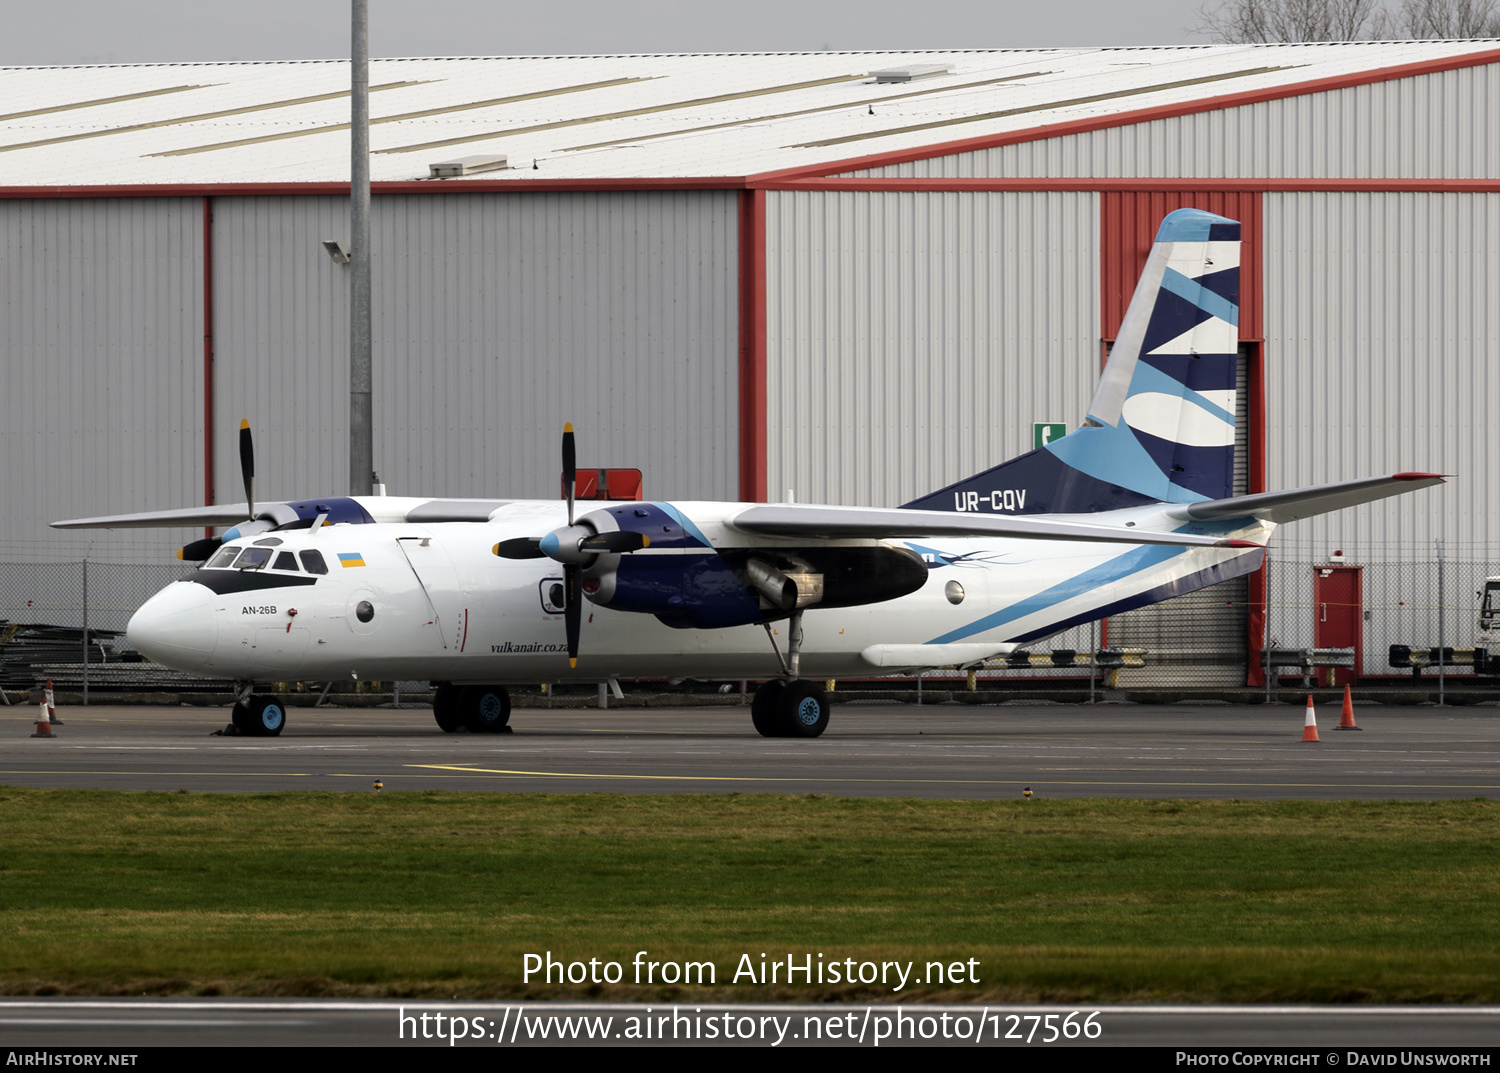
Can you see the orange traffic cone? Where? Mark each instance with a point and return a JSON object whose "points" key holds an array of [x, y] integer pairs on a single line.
{"points": [[44, 724], [1310, 727], [1347, 722], [51, 707]]}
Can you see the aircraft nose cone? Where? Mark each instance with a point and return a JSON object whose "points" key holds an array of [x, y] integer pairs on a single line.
{"points": [[176, 627]]}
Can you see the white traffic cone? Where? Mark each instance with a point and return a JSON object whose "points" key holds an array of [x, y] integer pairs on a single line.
{"points": [[44, 724], [1310, 727]]}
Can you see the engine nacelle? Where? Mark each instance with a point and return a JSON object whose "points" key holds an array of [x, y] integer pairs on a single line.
{"points": [[681, 579], [678, 577]]}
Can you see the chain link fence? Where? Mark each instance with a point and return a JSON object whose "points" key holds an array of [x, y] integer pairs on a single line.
{"points": [[1204, 640]]}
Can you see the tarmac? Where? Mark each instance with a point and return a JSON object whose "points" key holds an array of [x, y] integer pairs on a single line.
{"points": [[872, 748]]}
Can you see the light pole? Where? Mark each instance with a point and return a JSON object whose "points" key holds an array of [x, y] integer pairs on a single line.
{"points": [[361, 433]]}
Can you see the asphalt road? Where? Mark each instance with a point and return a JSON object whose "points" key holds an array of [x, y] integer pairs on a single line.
{"points": [[873, 749], [90, 1024]]}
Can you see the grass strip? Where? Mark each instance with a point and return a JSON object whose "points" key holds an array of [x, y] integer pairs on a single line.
{"points": [[442, 894]]}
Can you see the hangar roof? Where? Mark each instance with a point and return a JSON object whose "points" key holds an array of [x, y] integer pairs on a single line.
{"points": [[617, 117]]}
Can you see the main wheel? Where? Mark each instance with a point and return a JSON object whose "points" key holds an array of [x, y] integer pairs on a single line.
{"points": [[485, 709], [266, 716], [802, 710], [445, 708], [763, 708], [239, 715]]}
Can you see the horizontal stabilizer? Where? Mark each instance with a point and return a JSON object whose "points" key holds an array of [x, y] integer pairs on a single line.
{"points": [[1289, 506], [217, 514], [791, 520], [926, 657]]}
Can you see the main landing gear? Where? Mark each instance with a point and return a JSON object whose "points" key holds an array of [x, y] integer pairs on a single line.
{"points": [[478, 709], [789, 707]]}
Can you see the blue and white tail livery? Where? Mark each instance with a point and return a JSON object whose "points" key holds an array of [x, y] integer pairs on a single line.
{"points": [[1161, 426]]}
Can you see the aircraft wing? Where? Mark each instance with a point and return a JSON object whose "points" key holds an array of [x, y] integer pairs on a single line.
{"points": [[216, 514], [1296, 503], [792, 520]]}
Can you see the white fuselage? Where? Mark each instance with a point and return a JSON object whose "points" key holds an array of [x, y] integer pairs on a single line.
{"points": [[404, 601]]}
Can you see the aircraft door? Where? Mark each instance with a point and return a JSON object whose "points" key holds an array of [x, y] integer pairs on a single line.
{"points": [[444, 593]]}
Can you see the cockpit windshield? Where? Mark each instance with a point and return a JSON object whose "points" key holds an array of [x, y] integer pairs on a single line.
{"points": [[222, 560], [254, 559]]}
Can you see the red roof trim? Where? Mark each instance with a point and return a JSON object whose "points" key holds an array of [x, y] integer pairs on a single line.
{"points": [[888, 185], [1266, 185], [1125, 119]]}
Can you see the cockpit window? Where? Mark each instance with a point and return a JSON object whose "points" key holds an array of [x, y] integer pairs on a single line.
{"points": [[312, 562], [254, 558], [285, 560], [222, 560]]}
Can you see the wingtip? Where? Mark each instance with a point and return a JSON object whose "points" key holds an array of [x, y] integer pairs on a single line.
{"points": [[1420, 476], [1239, 544]]}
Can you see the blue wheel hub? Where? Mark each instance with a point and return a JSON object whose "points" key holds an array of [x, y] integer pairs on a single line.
{"points": [[809, 711]]}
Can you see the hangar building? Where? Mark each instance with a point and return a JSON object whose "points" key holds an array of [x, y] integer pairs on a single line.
{"points": [[856, 276]]}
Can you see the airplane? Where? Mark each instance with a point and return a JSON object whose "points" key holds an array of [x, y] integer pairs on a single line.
{"points": [[1130, 508]]}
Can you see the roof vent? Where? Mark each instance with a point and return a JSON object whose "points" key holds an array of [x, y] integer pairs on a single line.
{"points": [[467, 165], [911, 71]]}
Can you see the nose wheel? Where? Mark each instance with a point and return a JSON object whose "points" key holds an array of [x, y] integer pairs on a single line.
{"points": [[259, 717], [789, 709]]}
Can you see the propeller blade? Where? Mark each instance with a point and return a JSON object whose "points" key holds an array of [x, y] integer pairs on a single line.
{"points": [[519, 548], [199, 550], [247, 463], [616, 543], [570, 467], [572, 610]]}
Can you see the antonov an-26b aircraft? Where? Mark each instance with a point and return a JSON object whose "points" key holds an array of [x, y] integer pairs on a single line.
{"points": [[1130, 508]]}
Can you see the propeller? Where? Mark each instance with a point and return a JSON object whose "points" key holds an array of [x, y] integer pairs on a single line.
{"points": [[575, 546], [572, 612], [199, 550], [247, 464]]}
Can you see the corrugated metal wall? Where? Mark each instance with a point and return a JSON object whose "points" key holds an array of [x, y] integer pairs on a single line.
{"points": [[101, 344], [498, 317], [913, 339], [1382, 336], [1431, 126]]}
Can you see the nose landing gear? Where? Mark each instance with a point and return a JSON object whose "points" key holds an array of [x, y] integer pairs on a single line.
{"points": [[259, 717]]}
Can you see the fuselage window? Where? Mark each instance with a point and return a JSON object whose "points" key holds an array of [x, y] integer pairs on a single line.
{"points": [[285, 560], [254, 558], [223, 559], [312, 562]]}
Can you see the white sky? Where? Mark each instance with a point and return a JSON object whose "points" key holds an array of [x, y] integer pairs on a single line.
{"points": [[121, 31]]}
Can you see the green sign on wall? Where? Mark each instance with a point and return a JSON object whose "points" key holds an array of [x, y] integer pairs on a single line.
{"points": [[1043, 433]]}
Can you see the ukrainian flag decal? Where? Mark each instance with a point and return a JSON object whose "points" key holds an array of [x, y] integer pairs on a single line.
{"points": [[351, 558]]}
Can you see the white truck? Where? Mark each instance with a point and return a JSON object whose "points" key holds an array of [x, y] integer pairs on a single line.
{"points": [[1487, 637]]}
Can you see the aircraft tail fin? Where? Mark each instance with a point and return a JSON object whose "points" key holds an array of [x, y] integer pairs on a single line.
{"points": [[1161, 425]]}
